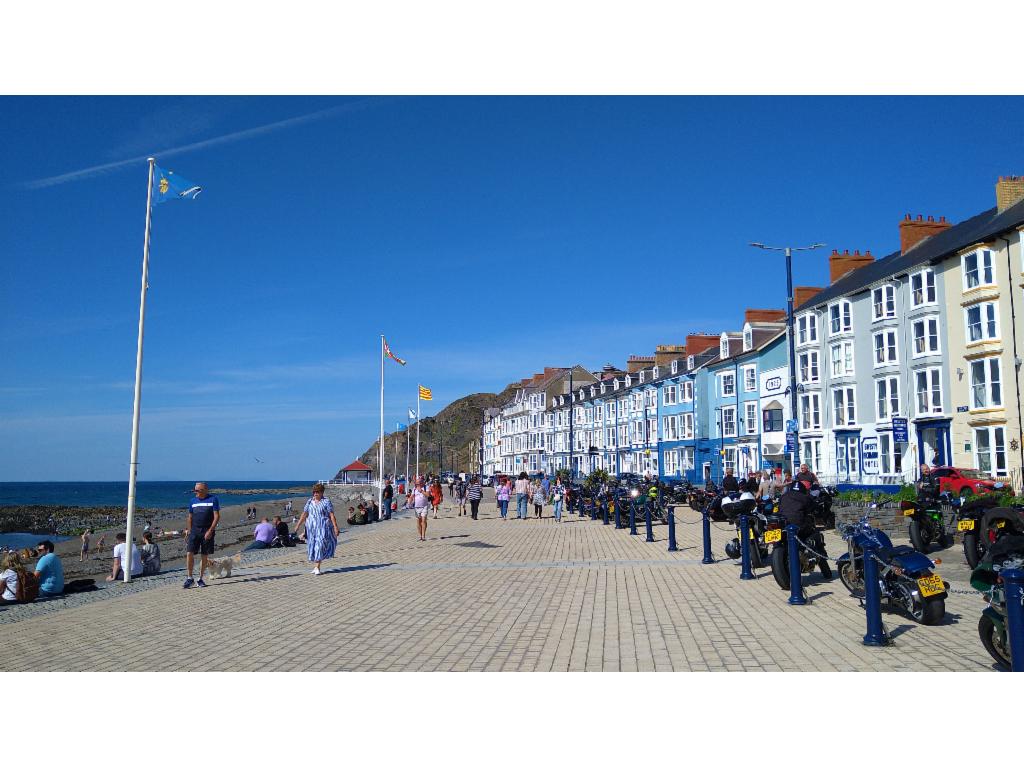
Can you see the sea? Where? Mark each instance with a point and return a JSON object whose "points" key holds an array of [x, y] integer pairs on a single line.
{"points": [[168, 494]]}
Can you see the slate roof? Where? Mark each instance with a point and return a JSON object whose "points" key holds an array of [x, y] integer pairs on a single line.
{"points": [[934, 249]]}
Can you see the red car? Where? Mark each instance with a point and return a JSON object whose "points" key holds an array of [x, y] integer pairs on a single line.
{"points": [[963, 482]]}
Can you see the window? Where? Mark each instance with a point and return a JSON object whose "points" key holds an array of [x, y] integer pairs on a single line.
{"points": [[687, 459], [808, 367], [670, 395], [671, 462], [928, 385], [982, 324], [810, 411], [990, 450], [977, 268], [840, 317], [687, 392], [887, 403], [749, 378], [886, 352], [675, 367], [723, 346], [806, 329], [842, 358], [642, 376], [622, 409], [654, 373], [773, 420], [844, 408], [651, 398], [846, 456], [652, 431], [986, 385], [599, 413], [729, 460], [922, 288], [687, 426], [884, 302], [670, 428], [609, 436], [689, 362], [890, 456], [811, 451], [629, 381], [728, 384], [750, 422], [748, 337], [729, 422], [926, 336]]}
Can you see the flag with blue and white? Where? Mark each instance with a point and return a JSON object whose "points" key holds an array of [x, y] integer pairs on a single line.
{"points": [[412, 415], [399, 426], [167, 185]]}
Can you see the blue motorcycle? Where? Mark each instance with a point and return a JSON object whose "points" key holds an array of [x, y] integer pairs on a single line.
{"points": [[905, 576]]}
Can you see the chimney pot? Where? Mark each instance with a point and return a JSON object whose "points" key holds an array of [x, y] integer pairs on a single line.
{"points": [[920, 217], [907, 217]]}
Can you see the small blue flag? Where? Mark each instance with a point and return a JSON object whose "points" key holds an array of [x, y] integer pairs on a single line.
{"points": [[167, 185], [399, 426]]}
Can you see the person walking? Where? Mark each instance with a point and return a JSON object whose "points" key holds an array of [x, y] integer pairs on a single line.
{"points": [[203, 516], [522, 489], [460, 496], [557, 496], [502, 494], [537, 496], [436, 495], [474, 492], [321, 528], [388, 495], [85, 544], [421, 505]]}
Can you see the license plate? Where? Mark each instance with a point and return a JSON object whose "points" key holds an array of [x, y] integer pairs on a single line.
{"points": [[930, 585], [770, 537], [908, 513], [611, 507], [965, 525], [1000, 523]]}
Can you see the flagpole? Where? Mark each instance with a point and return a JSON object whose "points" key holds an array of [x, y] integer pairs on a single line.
{"points": [[417, 431], [380, 457], [408, 437], [134, 467], [395, 473]]}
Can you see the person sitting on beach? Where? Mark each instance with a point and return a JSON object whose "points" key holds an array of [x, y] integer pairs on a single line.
{"points": [[85, 543], [49, 570], [264, 535], [283, 538], [99, 543], [121, 560], [12, 577], [150, 555]]}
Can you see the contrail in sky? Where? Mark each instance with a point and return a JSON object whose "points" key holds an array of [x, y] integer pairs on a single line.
{"points": [[248, 133]]}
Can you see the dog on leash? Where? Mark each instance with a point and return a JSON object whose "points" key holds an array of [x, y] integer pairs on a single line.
{"points": [[222, 568]]}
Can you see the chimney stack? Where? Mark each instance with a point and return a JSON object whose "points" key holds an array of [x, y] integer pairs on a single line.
{"points": [[913, 231], [840, 264], [755, 316], [699, 342], [637, 362], [1009, 192], [666, 353], [803, 294]]}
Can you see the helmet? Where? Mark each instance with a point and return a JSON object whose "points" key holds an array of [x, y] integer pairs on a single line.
{"points": [[732, 549]]}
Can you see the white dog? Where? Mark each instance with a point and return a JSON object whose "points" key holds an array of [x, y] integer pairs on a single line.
{"points": [[222, 568]]}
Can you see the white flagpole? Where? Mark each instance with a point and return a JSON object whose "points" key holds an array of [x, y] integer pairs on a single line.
{"points": [[417, 431], [408, 438], [395, 473], [380, 455], [133, 471]]}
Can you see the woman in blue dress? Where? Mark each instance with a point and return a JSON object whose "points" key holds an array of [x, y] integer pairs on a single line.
{"points": [[321, 528]]}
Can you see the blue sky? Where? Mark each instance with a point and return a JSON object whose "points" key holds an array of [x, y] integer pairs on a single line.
{"points": [[486, 237]]}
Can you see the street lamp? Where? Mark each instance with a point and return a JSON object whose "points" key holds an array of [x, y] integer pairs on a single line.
{"points": [[790, 323]]}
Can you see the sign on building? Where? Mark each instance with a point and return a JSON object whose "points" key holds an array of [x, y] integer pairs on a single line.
{"points": [[869, 455], [899, 430]]}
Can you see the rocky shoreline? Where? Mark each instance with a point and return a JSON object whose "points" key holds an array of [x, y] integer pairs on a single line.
{"points": [[60, 520]]}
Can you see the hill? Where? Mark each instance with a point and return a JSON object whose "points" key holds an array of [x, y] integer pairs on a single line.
{"points": [[455, 431]]}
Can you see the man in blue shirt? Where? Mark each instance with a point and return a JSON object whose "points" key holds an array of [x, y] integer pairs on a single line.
{"points": [[203, 516], [49, 570]]}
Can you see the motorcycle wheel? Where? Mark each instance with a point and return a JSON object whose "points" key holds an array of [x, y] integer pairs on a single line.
{"points": [[931, 612], [780, 567], [994, 643], [756, 561], [973, 550], [920, 536], [852, 579]]}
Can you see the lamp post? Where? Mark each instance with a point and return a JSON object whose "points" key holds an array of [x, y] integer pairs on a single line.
{"points": [[790, 325]]}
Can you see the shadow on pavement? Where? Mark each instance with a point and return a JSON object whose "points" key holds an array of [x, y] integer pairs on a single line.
{"points": [[351, 568]]}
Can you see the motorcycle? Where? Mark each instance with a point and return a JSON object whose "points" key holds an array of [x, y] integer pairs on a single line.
{"points": [[970, 514], [734, 505], [1007, 552], [927, 523], [823, 497], [811, 552], [905, 576]]}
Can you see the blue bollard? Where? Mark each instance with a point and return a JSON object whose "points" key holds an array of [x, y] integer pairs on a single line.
{"points": [[1013, 585], [604, 511], [647, 512], [632, 518], [618, 516], [873, 600], [672, 530], [593, 511], [708, 559], [745, 572], [796, 589]]}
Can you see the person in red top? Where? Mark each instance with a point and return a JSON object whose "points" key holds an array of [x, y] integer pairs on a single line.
{"points": [[436, 496]]}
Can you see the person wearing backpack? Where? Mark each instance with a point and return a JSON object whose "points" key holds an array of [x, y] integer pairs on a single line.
{"points": [[19, 584]]}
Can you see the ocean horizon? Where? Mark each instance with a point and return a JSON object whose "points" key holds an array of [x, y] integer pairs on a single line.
{"points": [[150, 494]]}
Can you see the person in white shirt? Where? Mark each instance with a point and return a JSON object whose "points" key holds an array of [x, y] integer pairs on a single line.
{"points": [[121, 560]]}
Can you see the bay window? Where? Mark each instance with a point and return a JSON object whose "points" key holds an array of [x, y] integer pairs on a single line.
{"points": [[990, 450], [926, 336], [889, 454], [981, 320], [808, 367], [922, 288], [986, 384], [840, 317], [884, 302], [928, 385], [844, 408], [811, 452], [807, 329], [810, 411], [886, 351], [978, 269], [842, 358], [887, 403]]}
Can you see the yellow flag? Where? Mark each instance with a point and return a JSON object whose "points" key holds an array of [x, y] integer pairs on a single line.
{"points": [[425, 394]]}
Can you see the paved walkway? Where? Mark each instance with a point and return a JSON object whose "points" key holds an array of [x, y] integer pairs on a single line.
{"points": [[491, 595]]}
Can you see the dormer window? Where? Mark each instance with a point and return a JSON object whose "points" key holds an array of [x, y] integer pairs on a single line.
{"points": [[603, 388], [629, 381], [641, 377], [616, 385], [748, 337], [689, 362], [723, 347], [654, 373], [591, 391], [675, 367]]}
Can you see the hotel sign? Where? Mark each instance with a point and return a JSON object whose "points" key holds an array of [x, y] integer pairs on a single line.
{"points": [[773, 382]]}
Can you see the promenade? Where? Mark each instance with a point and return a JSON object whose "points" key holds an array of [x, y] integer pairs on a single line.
{"points": [[490, 595]]}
